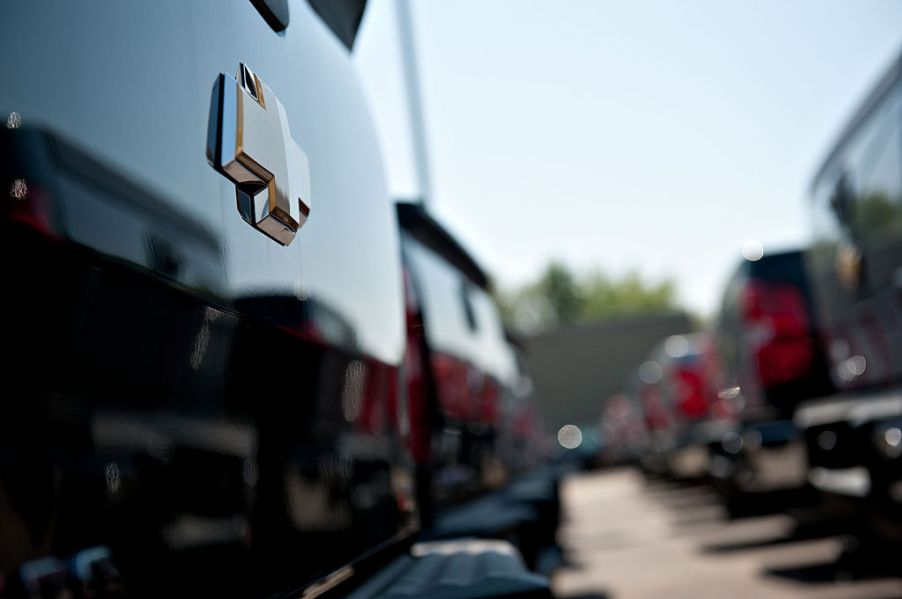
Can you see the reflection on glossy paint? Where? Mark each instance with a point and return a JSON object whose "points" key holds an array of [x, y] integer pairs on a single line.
{"points": [[189, 531], [313, 505], [113, 478], [19, 189], [14, 120], [332, 467], [202, 341], [352, 391], [166, 372], [250, 472]]}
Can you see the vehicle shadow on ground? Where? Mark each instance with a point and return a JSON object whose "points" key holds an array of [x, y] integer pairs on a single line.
{"points": [[661, 485], [827, 572], [770, 502], [853, 563], [683, 500], [693, 504], [700, 521], [689, 498], [801, 531]]}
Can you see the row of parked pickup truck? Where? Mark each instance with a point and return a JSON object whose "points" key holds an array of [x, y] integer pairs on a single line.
{"points": [[798, 386], [233, 365]]}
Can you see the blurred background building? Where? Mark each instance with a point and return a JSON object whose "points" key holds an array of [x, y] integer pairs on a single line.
{"points": [[576, 367]]}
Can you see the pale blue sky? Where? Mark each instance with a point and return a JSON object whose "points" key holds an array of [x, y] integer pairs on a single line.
{"points": [[656, 135]]}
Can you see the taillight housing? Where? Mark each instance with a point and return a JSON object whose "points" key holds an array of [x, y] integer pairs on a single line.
{"points": [[419, 429], [656, 417], [691, 397], [29, 205], [777, 331]]}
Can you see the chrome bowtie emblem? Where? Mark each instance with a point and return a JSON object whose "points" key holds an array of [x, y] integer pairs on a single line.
{"points": [[248, 141]]}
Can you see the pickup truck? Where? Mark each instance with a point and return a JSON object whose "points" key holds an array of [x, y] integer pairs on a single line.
{"points": [[854, 436], [469, 394], [678, 399], [204, 313], [771, 358]]}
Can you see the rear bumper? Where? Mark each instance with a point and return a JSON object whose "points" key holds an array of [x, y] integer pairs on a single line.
{"points": [[854, 448], [688, 462], [849, 432], [760, 457], [853, 483], [683, 454]]}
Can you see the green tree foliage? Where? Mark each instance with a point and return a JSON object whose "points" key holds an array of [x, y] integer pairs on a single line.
{"points": [[560, 296], [562, 292], [876, 216]]}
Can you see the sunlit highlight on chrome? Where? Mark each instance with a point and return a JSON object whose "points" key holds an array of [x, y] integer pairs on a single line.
{"points": [[892, 442], [729, 393], [851, 368]]}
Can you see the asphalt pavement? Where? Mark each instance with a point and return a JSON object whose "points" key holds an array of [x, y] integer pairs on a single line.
{"points": [[626, 537]]}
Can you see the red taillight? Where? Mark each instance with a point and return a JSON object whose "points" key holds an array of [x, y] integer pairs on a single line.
{"points": [[488, 400], [454, 384], [656, 417], [690, 392], [419, 439], [30, 205], [777, 331], [525, 423]]}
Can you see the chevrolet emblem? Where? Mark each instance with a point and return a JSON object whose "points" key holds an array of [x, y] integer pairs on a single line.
{"points": [[248, 141]]}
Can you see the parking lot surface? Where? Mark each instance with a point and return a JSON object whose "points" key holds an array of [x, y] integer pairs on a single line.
{"points": [[626, 537]]}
